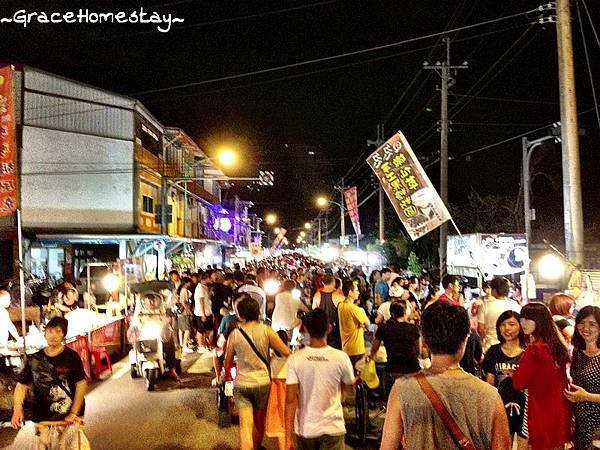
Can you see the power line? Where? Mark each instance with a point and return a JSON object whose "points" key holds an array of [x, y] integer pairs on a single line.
{"points": [[587, 11], [333, 57], [508, 100], [589, 67]]}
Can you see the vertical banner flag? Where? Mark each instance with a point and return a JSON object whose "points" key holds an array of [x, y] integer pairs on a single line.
{"points": [[406, 184], [279, 239], [8, 153], [352, 204]]}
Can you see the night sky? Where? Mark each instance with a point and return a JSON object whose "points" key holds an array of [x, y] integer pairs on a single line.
{"points": [[309, 123]]}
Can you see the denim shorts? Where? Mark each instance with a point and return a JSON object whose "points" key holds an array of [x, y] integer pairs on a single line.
{"points": [[255, 397]]}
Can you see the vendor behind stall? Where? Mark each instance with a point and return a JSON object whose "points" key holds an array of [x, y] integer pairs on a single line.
{"points": [[6, 325]]}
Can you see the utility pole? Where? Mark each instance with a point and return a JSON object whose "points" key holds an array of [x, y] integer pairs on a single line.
{"points": [[378, 143], [443, 69], [572, 204], [342, 210]]}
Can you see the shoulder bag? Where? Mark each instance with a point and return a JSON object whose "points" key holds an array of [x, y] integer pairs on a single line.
{"points": [[258, 353], [459, 438]]}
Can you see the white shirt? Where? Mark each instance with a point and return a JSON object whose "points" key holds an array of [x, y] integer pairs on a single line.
{"points": [[320, 373], [6, 327], [384, 310], [488, 315], [258, 294], [202, 303], [285, 313]]}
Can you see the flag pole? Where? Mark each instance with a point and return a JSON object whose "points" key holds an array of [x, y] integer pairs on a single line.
{"points": [[21, 279], [468, 246]]}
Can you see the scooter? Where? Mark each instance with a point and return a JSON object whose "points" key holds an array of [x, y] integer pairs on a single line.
{"points": [[146, 357]]}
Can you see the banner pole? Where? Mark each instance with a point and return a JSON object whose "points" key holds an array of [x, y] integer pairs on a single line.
{"points": [[21, 279], [467, 245]]}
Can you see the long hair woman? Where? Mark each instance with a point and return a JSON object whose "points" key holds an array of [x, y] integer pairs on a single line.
{"points": [[584, 391], [561, 307], [542, 371]]}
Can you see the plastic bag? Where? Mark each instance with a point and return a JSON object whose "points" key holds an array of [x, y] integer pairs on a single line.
{"points": [[62, 437], [369, 374]]}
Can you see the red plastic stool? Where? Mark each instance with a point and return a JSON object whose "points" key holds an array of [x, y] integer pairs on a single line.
{"points": [[97, 354]]}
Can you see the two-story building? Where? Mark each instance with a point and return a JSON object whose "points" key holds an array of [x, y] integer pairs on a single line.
{"points": [[92, 165]]}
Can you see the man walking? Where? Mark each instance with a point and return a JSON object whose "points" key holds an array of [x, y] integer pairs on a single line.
{"points": [[318, 376], [328, 300], [472, 404]]}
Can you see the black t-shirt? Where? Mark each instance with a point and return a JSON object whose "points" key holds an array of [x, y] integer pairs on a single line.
{"points": [[401, 340], [498, 363], [220, 295], [54, 379]]}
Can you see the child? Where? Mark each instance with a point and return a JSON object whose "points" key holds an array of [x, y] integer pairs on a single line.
{"points": [[275, 421]]}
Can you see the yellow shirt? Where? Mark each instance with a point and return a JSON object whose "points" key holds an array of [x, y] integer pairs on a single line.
{"points": [[352, 319]]}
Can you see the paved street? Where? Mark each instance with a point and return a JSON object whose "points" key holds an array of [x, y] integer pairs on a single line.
{"points": [[121, 414]]}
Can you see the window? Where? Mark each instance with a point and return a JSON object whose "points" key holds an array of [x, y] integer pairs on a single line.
{"points": [[147, 204]]}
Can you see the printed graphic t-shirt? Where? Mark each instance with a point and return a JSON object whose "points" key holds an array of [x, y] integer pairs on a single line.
{"points": [[54, 379], [498, 363]]}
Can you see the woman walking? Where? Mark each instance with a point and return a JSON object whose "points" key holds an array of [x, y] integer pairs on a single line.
{"points": [[542, 371], [584, 391], [500, 360], [251, 342]]}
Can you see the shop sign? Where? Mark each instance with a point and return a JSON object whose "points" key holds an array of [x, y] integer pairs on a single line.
{"points": [[8, 162]]}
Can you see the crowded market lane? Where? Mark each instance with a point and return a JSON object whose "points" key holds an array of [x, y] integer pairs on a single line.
{"points": [[121, 414]]}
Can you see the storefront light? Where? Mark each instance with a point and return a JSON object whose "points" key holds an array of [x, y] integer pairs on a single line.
{"points": [[551, 267], [271, 287], [111, 282]]}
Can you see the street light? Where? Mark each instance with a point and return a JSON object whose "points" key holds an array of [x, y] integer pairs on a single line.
{"points": [[307, 225], [271, 219], [227, 157], [322, 201], [302, 234], [276, 230], [551, 267]]}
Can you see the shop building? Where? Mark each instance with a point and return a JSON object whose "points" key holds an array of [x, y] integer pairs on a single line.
{"points": [[91, 165]]}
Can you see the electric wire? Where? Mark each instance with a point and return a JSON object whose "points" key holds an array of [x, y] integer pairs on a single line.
{"points": [[329, 58], [589, 66], [587, 11]]}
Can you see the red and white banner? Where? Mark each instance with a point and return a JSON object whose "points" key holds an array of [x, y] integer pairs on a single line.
{"points": [[279, 239], [351, 198], [8, 153]]}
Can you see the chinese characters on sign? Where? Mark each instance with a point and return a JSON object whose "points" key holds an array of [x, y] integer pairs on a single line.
{"points": [[352, 204], [406, 184], [8, 175]]}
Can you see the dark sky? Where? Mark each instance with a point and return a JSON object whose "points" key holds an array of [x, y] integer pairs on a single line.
{"points": [[331, 108]]}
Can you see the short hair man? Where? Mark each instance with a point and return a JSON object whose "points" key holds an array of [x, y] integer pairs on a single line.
{"points": [[473, 404], [451, 285], [382, 288], [492, 307], [317, 378], [353, 321], [58, 379], [328, 300]]}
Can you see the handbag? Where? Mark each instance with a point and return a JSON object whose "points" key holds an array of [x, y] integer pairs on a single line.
{"points": [[458, 436], [61, 436], [258, 353]]}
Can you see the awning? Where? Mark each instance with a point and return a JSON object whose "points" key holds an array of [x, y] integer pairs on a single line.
{"points": [[54, 239]]}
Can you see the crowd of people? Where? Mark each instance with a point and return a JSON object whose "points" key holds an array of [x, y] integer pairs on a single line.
{"points": [[461, 366]]}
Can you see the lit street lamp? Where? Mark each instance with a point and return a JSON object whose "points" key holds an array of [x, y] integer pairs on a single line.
{"points": [[308, 225], [322, 201], [276, 230], [271, 219]]}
